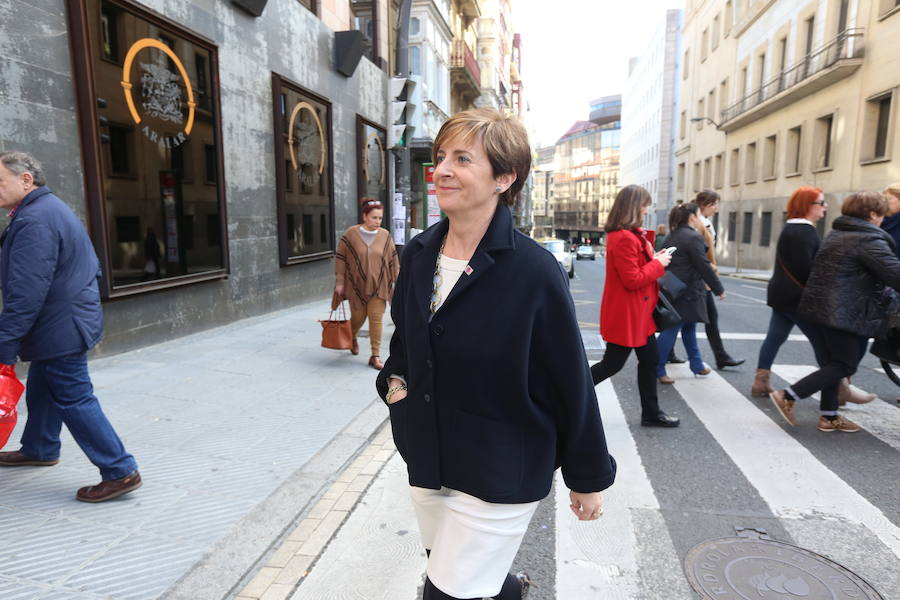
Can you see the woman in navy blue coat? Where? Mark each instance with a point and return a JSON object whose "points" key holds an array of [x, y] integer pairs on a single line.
{"points": [[487, 382]]}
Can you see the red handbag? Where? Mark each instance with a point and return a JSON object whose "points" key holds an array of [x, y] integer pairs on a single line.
{"points": [[336, 331], [10, 391]]}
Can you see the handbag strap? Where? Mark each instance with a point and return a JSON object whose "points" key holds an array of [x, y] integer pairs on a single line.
{"points": [[788, 271], [343, 313]]}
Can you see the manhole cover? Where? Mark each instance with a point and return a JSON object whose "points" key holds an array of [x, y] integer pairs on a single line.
{"points": [[745, 568]]}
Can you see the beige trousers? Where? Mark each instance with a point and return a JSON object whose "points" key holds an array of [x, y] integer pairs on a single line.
{"points": [[374, 310]]}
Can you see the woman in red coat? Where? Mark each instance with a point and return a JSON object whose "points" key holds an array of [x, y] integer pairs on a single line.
{"points": [[629, 297]]}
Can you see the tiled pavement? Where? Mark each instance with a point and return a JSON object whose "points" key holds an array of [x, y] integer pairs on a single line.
{"points": [[236, 430]]}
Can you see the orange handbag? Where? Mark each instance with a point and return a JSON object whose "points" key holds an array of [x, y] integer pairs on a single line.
{"points": [[336, 331]]}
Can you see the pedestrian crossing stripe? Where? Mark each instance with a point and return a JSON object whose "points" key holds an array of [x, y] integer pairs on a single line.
{"points": [[633, 551], [792, 481]]}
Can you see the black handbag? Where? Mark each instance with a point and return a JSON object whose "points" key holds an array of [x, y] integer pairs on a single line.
{"points": [[673, 286], [664, 314]]}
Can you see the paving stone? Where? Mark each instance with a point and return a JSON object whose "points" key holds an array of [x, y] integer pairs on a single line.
{"points": [[359, 483], [319, 539], [283, 555], [295, 569], [277, 591], [260, 582], [346, 501], [304, 530]]}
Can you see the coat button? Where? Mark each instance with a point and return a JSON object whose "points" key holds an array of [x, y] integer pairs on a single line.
{"points": [[438, 329], [429, 364], [646, 298], [427, 398]]}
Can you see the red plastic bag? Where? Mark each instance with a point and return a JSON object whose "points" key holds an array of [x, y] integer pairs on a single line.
{"points": [[10, 391]]}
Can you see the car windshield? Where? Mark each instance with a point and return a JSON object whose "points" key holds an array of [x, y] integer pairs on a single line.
{"points": [[584, 247], [555, 246]]}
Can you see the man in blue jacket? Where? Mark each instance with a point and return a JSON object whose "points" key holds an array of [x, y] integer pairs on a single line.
{"points": [[52, 317]]}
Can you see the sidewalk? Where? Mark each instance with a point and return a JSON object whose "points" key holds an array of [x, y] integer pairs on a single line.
{"points": [[237, 432], [754, 274]]}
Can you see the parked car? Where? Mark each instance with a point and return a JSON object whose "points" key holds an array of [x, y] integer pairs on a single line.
{"points": [[586, 252], [559, 249]]}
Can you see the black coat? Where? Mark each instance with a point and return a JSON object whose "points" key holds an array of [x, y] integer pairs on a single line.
{"points": [[797, 246], [690, 265], [500, 393], [846, 288]]}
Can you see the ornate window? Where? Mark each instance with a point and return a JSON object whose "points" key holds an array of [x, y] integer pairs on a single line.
{"points": [[151, 138], [371, 174], [304, 187]]}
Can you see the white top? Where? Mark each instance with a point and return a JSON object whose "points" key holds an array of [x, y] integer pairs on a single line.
{"points": [[451, 270], [367, 236], [709, 227], [807, 221]]}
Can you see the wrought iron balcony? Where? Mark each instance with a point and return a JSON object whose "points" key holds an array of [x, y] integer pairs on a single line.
{"points": [[832, 62], [464, 69]]}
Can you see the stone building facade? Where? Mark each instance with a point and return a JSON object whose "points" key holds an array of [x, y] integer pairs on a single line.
{"points": [[214, 156], [780, 94]]}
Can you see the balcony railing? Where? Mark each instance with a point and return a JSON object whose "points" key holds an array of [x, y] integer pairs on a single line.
{"points": [[847, 47], [462, 57]]}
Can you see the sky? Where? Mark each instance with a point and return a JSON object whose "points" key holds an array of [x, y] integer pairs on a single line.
{"points": [[577, 50]]}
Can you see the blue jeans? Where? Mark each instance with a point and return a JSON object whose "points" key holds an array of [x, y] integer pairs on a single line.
{"points": [[60, 391], [780, 326], [666, 341]]}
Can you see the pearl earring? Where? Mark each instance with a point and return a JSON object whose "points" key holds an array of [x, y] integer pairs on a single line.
{"points": [[497, 189]]}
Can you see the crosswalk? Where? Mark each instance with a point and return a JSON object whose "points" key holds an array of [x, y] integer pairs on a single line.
{"points": [[732, 463]]}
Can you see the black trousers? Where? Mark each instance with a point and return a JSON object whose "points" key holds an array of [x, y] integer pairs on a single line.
{"points": [[712, 330], [614, 359], [511, 590], [842, 352]]}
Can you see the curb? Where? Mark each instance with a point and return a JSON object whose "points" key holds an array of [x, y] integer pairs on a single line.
{"points": [[285, 569]]}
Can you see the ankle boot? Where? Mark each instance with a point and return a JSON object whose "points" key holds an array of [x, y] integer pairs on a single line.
{"points": [[761, 387], [848, 394]]}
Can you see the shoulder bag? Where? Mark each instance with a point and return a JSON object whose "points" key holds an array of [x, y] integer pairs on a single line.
{"points": [[664, 315]]}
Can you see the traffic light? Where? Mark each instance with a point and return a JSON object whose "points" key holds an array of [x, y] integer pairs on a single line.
{"points": [[401, 111]]}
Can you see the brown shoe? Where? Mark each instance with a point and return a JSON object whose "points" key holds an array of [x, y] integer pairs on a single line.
{"points": [[761, 387], [18, 459], [666, 380], [837, 424], [784, 405], [848, 394], [109, 489], [376, 363], [703, 373], [354, 347]]}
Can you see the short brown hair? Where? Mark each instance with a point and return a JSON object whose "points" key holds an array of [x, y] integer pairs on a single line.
{"points": [[503, 138], [863, 204], [626, 210], [801, 200], [706, 198]]}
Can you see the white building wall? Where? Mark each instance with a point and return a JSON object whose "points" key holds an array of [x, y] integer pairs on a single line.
{"points": [[648, 116]]}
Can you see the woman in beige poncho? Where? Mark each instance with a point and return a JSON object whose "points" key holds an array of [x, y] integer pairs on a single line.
{"points": [[366, 268]]}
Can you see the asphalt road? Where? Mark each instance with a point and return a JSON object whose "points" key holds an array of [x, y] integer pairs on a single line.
{"points": [[706, 483]]}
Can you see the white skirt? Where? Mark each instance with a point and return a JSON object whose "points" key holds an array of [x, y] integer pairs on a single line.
{"points": [[472, 542]]}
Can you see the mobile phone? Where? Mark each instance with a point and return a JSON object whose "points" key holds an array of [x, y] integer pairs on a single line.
{"points": [[670, 250]]}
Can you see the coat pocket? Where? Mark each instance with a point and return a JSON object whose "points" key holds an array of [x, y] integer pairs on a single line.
{"points": [[397, 411], [488, 454]]}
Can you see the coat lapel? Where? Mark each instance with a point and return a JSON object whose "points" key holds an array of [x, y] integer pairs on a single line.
{"points": [[423, 263], [499, 236]]}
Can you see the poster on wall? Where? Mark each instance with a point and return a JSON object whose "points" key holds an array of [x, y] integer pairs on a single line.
{"points": [[398, 222], [433, 214]]}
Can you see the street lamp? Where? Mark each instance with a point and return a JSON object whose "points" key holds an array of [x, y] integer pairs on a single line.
{"points": [[713, 123]]}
